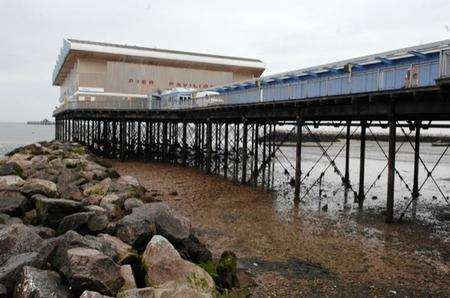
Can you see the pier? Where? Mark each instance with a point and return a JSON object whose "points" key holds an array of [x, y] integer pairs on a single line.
{"points": [[232, 134]]}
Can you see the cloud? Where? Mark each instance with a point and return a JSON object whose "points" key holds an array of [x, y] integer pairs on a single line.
{"points": [[286, 34]]}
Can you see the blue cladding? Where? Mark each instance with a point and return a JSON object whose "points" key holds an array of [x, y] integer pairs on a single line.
{"points": [[370, 78]]}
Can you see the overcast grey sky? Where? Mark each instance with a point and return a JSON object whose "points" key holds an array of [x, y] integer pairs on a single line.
{"points": [[284, 34]]}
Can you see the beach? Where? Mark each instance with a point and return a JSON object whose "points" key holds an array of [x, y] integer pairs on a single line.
{"points": [[301, 252]]}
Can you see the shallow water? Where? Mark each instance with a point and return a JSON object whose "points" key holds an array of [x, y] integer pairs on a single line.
{"points": [[13, 135], [333, 191]]}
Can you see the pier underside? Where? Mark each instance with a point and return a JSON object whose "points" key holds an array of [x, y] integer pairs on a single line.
{"points": [[242, 142]]}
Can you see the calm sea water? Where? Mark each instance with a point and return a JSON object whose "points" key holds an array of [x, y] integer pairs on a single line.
{"points": [[13, 135]]}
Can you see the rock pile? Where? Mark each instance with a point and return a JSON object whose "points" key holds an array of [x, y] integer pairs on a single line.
{"points": [[71, 226]]}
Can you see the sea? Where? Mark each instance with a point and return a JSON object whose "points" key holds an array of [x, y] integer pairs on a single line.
{"points": [[13, 135]]}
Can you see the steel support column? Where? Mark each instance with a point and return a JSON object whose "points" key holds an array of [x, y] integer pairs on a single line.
{"points": [[391, 171], [298, 160], [362, 161]]}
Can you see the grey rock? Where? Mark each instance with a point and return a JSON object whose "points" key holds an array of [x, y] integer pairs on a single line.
{"points": [[11, 270], [89, 269], [128, 276], [13, 203], [11, 168], [34, 186], [17, 239], [169, 289], [139, 227], [172, 225], [131, 203], [11, 180], [92, 294], [193, 250], [164, 264], [35, 283], [73, 239], [51, 211], [125, 252]]}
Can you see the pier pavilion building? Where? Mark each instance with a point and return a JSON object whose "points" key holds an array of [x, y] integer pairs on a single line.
{"points": [[93, 71]]}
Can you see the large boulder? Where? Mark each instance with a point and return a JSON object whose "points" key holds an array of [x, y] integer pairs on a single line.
{"points": [[11, 168], [83, 223], [67, 185], [193, 250], [11, 270], [172, 225], [128, 276], [17, 239], [164, 264], [51, 211], [98, 190], [34, 186], [227, 271], [72, 239], [13, 203], [89, 269], [139, 227], [92, 294], [169, 289], [11, 180], [131, 203], [35, 283], [125, 252]]}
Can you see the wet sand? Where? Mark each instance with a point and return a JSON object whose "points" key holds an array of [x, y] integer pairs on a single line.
{"points": [[301, 253]]}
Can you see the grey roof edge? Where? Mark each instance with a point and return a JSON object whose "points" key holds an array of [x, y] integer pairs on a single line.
{"points": [[162, 50]]}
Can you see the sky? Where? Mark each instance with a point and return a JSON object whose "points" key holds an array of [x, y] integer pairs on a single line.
{"points": [[285, 34]]}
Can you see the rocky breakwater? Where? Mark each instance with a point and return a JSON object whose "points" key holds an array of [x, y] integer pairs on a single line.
{"points": [[71, 226]]}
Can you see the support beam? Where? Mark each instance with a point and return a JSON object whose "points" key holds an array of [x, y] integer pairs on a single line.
{"points": [[298, 160], [225, 162], [415, 192], [184, 141], [347, 163], [244, 152], [362, 162], [208, 146], [391, 171]]}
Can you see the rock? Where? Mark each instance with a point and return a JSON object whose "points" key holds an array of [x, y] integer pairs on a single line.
{"points": [[71, 163], [76, 222], [72, 239], [51, 211], [111, 199], [35, 149], [11, 270], [193, 250], [443, 214], [34, 186], [139, 227], [113, 174], [89, 269], [68, 185], [131, 203], [227, 271], [92, 294], [84, 223], [13, 203], [30, 217], [127, 274], [3, 291], [125, 252], [17, 239], [172, 225], [170, 289], [44, 232], [164, 264], [11, 169], [98, 190], [112, 210], [11, 180], [129, 180], [35, 283]]}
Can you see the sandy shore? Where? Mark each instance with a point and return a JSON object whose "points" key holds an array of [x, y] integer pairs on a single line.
{"points": [[299, 254]]}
